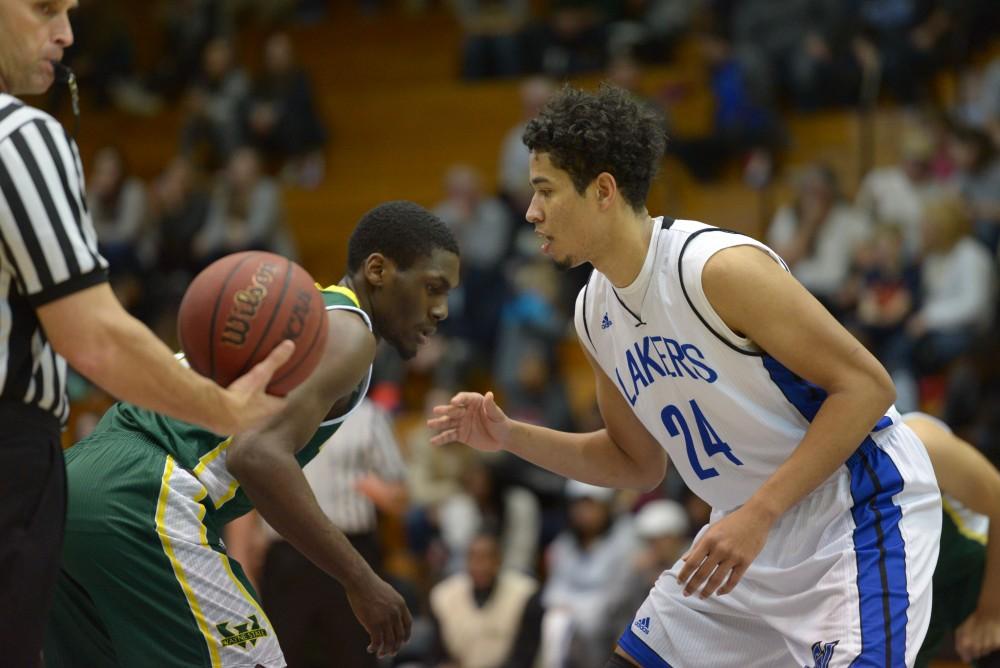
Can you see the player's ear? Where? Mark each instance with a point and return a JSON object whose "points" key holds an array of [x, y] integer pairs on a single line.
{"points": [[378, 268], [606, 189]]}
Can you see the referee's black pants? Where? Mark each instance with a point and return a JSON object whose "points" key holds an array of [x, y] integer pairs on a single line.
{"points": [[32, 520]]}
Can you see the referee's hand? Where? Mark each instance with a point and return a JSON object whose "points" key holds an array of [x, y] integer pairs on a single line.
{"points": [[248, 403]]}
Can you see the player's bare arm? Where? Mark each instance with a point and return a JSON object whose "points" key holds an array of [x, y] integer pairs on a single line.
{"points": [[264, 463], [966, 475], [757, 298], [107, 345], [622, 455]]}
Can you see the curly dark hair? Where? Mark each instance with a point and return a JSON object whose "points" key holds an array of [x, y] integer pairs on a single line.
{"points": [[607, 131], [402, 231]]}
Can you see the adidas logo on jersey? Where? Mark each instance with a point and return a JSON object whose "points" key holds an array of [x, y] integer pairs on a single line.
{"points": [[605, 322], [643, 625]]}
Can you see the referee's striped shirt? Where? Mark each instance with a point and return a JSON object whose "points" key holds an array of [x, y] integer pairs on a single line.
{"points": [[48, 250]]}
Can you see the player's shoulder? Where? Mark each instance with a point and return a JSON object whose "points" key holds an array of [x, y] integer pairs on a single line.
{"points": [[15, 114]]}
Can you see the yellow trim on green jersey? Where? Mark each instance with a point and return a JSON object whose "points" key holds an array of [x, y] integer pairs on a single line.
{"points": [[340, 289], [961, 524]]}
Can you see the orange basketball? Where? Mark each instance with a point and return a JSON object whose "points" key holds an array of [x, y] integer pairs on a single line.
{"points": [[243, 305]]}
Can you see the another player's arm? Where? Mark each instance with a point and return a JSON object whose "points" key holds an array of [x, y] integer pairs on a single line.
{"points": [[966, 475], [623, 454], [118, 353], [754, 296], [264, 463]]}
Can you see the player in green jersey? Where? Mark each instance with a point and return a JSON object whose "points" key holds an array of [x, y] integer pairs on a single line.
{"points": [[145, 579], [967, 577]]}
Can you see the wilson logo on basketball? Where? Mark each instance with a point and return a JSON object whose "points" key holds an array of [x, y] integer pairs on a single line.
{"points": [[246, 303]]}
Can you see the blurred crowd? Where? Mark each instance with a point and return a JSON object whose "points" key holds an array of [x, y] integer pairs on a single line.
{"points": [[503, 564]]}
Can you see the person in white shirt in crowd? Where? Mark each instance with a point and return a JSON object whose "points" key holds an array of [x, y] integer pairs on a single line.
{"points": [[487, 616], [898, 194], [958, 285], [586, 575], [818, 233], [663, 526]]}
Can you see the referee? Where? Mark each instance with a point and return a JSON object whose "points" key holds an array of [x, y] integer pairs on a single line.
{"points": [[56, 307]]}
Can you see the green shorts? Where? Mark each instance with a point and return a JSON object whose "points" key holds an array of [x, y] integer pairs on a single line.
{"points": [[958, 578], [145, 577]]}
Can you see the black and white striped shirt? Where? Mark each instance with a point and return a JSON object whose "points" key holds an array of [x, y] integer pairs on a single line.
{"points": [[48, 250]]}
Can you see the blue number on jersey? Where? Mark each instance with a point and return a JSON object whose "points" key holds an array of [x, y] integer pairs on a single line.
{"points": [[675, 423]]}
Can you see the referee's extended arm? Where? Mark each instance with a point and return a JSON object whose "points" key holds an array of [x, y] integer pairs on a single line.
{"points": [[54, 292], [102, 341]]}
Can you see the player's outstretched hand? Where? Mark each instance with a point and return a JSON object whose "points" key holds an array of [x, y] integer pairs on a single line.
{"points": [[248, 403], [383, 613], [977, 636], [470, 418], [722, 555]]}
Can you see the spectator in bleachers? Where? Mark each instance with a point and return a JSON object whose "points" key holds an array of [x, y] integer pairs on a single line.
{"points": [[662, 525], [512, 173], [586, 574], [908, 37], [117, 203], [484, 504], [978, 181], [186, 27], [104, 61], [885, 289], [898, 194], [526, 363], [958, 285], [482, 225], [649, 29], [217, 97], [491, 44], [818, 233], [804, 49], [745, 119], [245, 213], [281, 118], [979, 103], [488, 616], [573, 37]]}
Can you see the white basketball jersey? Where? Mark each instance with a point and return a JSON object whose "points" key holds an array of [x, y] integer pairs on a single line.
{"points": [[727, 413]]}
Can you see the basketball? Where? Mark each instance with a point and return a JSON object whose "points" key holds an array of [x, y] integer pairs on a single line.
{"points": [[240, 307]]}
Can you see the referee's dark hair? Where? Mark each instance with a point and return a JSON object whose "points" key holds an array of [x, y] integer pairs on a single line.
{"points": [[585, 134], [402, 231]]}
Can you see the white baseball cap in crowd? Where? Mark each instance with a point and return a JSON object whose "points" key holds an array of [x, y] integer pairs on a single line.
{"points": [[661, 518], [581, 490]]}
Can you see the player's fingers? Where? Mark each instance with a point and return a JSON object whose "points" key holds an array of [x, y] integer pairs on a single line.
{"points": [[464, 398], [400, 633], [260, 375], [407, 624], [440, 423], [449, 410], [445, 437], [389, 644], [716, 579], [692, 560], [734, 579], [699, 576]]}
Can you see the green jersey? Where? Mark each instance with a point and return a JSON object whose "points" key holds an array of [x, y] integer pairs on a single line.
{"points": [[203, 453]]}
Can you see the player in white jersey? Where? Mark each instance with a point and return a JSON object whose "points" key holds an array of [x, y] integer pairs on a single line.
{"points": [[826, 513]]}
